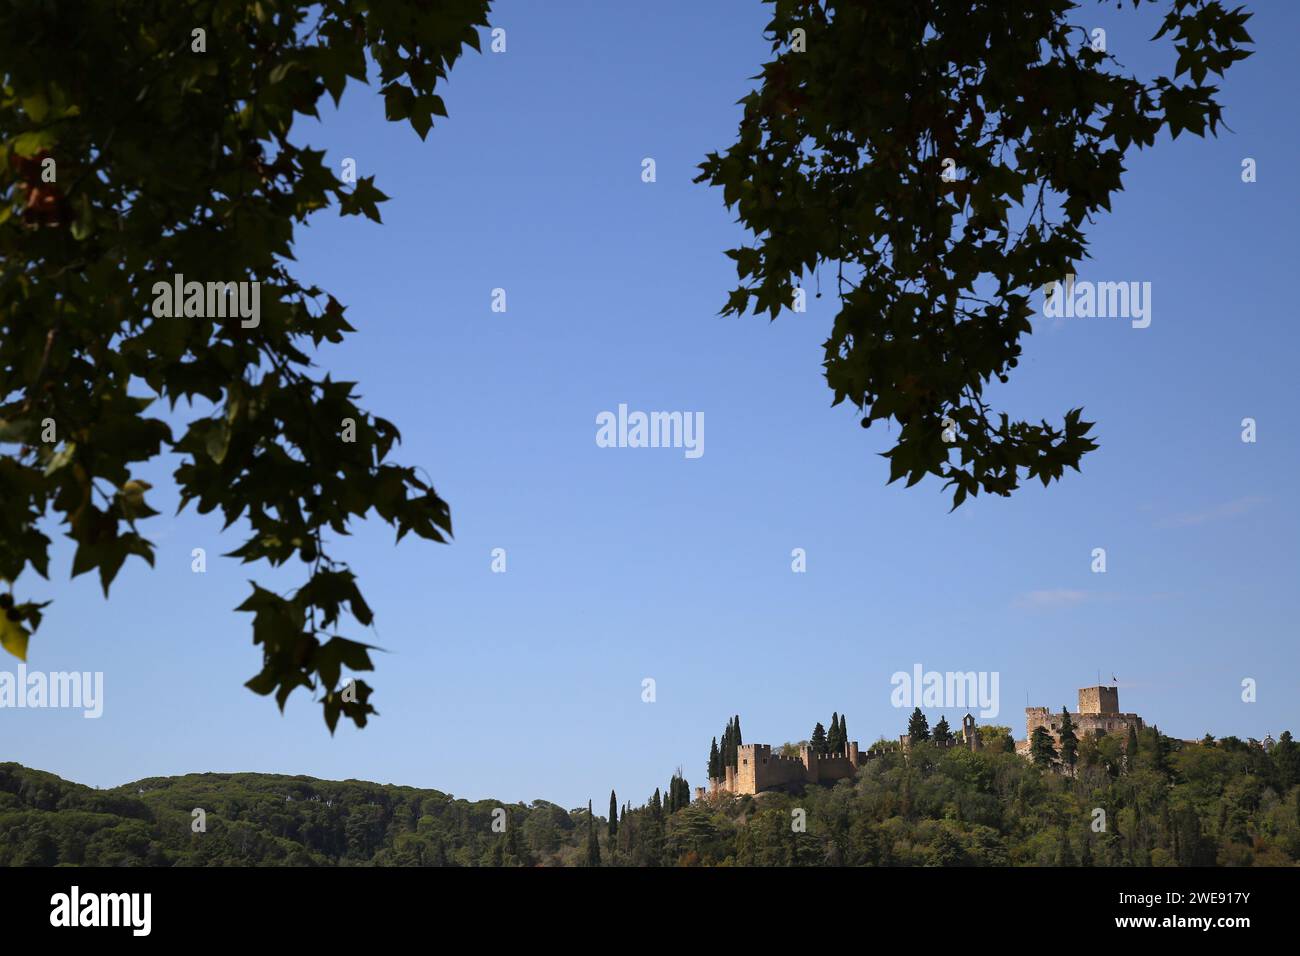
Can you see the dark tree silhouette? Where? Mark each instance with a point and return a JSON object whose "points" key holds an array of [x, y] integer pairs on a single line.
{"points": [[941, 158]]}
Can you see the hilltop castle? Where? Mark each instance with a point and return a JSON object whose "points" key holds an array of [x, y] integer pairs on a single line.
{"points": [[1097, 716], [758, 769]]}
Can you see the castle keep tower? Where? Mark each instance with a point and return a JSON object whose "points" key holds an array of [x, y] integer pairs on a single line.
{"points": [[1098, 700], [1098, 715]]}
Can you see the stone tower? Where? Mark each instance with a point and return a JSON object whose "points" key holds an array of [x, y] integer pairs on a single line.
{"points": [[1099, 700], [1098, 715]]}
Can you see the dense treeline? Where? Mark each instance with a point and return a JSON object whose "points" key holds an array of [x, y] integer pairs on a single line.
{"points": [[1225, 803], [265, 819], [1148, 800]]}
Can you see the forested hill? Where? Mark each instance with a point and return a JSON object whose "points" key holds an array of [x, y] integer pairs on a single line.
{"points": [[267, 819], [1168, 803]]}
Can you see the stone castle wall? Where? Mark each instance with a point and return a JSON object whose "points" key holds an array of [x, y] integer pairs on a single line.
{"points": [[1098, 715], [758, 769], [827, 769]]}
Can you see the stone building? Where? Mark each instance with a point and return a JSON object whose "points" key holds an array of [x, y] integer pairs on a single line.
{"points": [[758, 769], [1098, 715]]}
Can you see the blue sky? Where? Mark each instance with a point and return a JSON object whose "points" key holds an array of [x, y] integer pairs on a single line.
{"points": [[625, 564]]}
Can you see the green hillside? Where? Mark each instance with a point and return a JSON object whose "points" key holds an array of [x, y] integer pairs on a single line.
{"points": [[1226, 802]]}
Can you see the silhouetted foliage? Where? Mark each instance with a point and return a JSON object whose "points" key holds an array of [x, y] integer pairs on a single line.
{"points": [[942, 157], [138, 156]]}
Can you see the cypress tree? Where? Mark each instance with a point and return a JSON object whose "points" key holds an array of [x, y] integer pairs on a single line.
{"points": [[1131, 748], [725, 752], [833, 737], [844, 733], [918, 728], [731, 746], [613, 817], [593, 845], [1069, 741]]}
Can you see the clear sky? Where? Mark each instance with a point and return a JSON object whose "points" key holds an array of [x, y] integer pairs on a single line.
{"points": [[626, 564]]}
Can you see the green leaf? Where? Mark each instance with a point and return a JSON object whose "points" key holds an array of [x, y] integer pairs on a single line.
{"points": [[36, 106], [61, 458], [13, 637], [32, 143], [218, 441]]}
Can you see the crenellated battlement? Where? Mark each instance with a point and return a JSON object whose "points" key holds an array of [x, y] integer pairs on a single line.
{"points": [[758, 768]]}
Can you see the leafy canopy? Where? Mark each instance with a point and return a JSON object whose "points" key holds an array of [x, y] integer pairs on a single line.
{"points": [[149, 138], [840, 159]]}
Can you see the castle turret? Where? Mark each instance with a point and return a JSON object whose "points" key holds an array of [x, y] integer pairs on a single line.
{"points": [[853, 752], [752, 761], [810, 759], [1099, 700]]}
